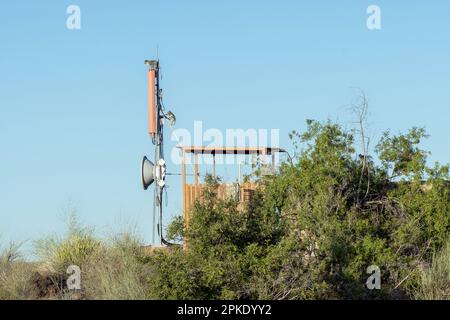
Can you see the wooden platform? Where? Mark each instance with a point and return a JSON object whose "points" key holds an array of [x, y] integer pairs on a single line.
{"points": [[242, 193]]}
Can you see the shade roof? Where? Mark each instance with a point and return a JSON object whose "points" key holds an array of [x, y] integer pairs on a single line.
{"points": [[230, 150]]}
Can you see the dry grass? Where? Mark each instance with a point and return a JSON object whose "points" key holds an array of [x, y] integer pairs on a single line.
{"points": [[110, 269], [435, 280], [75, 248], [117, 271], [15, 275], [114, 268]]}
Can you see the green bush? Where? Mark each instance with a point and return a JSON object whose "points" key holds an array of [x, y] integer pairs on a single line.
{"points": [[312, 230]]}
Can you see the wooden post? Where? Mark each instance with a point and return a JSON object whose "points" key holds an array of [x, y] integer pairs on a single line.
{"points": [[253, 168], [273, 162], [196, 175], [239, 172], [183, 179], [214, 165], [263, 162]]}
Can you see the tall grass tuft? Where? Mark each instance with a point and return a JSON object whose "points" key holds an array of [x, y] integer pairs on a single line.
{"points": [[76, 248], [117, 270], [15, 275], [114, 268], [435, 280]]}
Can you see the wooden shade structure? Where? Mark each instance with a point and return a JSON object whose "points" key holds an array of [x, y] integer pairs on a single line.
{"points": [[192, 192]]}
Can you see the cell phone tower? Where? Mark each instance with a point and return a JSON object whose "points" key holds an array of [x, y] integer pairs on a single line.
{"points": [[156, 172]]}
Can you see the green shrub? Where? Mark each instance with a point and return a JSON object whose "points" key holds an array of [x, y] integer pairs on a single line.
{"points": [[312, 230]]}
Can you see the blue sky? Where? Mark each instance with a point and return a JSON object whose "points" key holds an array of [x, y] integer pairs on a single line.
{"points": [[73, 102]]}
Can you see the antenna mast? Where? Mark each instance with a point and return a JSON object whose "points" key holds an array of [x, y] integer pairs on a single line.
{"points": [[156, 125]]}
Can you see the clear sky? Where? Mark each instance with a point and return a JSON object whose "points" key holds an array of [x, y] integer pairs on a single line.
{"points": [[73, 103]]}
